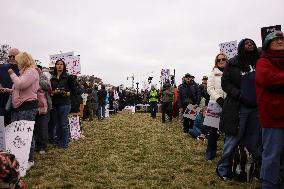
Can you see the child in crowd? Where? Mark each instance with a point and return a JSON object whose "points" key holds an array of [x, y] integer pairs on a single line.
{"points": [[199, 130]]}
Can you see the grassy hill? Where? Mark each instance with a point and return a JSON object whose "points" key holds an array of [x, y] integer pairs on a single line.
{"points": [[129, 151]]}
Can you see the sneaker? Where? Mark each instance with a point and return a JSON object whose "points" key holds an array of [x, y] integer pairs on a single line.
{"points": [[42, 152], [30, 164]]}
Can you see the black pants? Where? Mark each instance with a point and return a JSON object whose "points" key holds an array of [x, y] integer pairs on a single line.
{"points": [[41, 131], [153, 108], [187, 124], [167, 108], [212, 144]]}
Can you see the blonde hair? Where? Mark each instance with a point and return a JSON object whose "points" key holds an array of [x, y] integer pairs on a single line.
{"points": [[25, 61], [216, 58]]}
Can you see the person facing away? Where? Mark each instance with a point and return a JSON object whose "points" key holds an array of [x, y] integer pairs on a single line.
{"points": [[167, 101], [270, 99]]}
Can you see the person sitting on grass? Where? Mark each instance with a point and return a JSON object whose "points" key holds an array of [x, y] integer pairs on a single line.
{"points": [[199, 131]]}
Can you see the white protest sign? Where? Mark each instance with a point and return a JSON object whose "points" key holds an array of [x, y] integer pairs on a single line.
{"points": [[2, 134], [212, 116], [18, 137], [165, 75], [132, 108], [73, 65], [230, 49], [191, 111], [74, 124], [55, 57]]}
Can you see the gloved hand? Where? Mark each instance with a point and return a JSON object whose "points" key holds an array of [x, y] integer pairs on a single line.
{"points": [[220, 101]]}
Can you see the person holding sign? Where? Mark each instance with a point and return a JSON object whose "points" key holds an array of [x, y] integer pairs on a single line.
{"points": [[270, 99], [24, 94], [239, 117], [62, 85], [217, 95]]}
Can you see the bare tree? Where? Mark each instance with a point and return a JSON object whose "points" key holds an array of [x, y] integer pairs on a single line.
{"points": [[4, 49]]}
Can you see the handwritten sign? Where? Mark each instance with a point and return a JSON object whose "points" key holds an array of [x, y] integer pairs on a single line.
{"points": [[62, 56], [2, 134], [165, 75], [191, 111], [230, 49], [267, 30], [75, 129], [18, 138], [73, 65], [212, 116]]}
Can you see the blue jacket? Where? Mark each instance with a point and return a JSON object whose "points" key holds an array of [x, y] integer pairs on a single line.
{"points": [[6, 81]]}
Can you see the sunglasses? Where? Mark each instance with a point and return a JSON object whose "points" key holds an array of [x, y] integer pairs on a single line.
{"points": [[11, 56], [223, 59]]}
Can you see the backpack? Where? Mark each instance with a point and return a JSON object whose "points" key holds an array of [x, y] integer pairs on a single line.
{"points": [[44, 101]]}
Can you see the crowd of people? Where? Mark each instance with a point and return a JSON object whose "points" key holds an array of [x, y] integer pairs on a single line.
{"points": [[248, 88]]}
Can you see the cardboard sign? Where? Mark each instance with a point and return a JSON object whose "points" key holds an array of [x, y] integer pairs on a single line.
{"points": [[73, 65], [75, 129], [267, 30], [191, 111], [130, 108], [18, 138], [230, 49], [213, 113]]}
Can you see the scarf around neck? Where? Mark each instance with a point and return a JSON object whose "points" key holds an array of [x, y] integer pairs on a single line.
{"points": [[275, 57]]}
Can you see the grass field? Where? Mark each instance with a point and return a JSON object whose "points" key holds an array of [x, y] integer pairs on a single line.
{"points": [[129, 151]]}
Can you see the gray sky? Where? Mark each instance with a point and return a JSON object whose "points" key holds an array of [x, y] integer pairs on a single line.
{"points": [[116, 38]]}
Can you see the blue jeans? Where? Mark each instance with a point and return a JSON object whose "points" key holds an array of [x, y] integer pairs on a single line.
{"points": [[101, 111], [249, 135], [272, 169], [62, 124], [28, 115]]}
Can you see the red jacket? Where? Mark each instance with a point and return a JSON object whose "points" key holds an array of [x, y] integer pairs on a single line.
{"points": [[270, 94]]}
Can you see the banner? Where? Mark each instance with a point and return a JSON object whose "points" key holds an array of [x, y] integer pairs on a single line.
{"points": [[212, 116], [230, 49], [191, 111], [74, 124], [18, 138], [2, 134], [267, 30]]}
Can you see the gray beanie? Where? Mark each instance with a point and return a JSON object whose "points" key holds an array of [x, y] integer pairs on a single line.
{"points": [[270, 37]]}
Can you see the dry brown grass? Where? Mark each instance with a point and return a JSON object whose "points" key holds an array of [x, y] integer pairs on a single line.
{"points": [[129, 151]]}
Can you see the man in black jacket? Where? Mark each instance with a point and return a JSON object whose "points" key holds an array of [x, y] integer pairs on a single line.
{"points": [[188, 94]]}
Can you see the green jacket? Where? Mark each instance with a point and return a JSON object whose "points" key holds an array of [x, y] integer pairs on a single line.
{"points": [[168, 95]]}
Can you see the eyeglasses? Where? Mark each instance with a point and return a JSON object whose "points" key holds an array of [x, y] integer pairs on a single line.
{"points": [[11, 56], [223, 59]]}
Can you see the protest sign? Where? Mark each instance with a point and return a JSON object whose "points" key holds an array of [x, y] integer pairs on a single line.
{"points": [[212, 116], [55, 57], [191, 111], [267, 30], [107, 110], [130, 108], [230, 49], [18, 138], [165, 75], [74, 124], [73, 65]]}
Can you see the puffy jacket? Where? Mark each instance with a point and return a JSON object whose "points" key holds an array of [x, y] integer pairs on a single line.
{"points": [[214, 87], [189, 94]]}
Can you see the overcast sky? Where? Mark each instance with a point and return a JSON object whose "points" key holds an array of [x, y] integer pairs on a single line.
{"points": [[116, 38]]}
